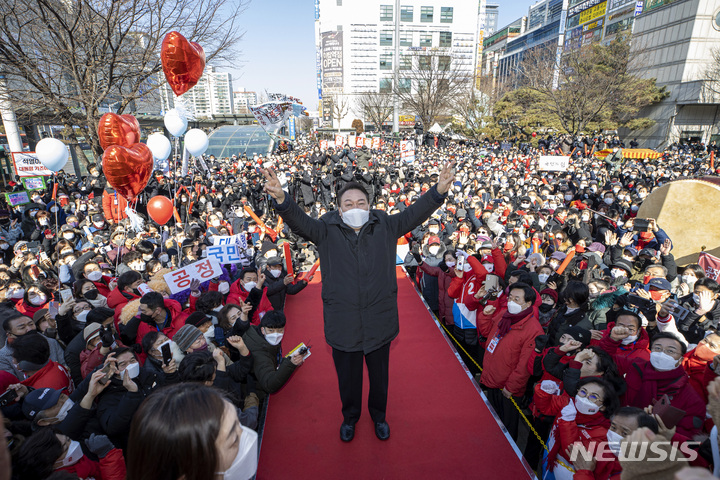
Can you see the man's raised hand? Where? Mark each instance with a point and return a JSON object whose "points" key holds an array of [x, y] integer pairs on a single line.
{"points": [[446, 178], [272, 185]]}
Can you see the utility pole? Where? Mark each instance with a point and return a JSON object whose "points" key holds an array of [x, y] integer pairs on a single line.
{"points": [[8, 118], [396, 72]]}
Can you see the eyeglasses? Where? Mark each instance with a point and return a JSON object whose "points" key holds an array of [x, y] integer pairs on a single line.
{"points": [[593, 397], [670, 350]]}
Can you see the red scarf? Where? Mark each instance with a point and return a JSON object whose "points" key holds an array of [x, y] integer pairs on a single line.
{"points": [[509, 319]]}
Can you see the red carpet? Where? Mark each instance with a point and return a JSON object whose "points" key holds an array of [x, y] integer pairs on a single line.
{"points": [[440, 426]]}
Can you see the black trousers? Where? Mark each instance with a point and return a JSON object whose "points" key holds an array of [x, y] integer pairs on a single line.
{"points": [[505, 410], [349, 368]]}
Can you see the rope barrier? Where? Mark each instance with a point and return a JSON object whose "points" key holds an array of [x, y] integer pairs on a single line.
{"points": [[537, 435]]}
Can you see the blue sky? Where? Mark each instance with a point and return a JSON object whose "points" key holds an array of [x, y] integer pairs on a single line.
{"points": [[278, 50]]}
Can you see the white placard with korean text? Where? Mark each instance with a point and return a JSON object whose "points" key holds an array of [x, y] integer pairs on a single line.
{"points": [[554, 163], [240, 240], [204, 270]]}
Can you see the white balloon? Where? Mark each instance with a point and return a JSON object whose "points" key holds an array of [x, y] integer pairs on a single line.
{"points": [[175, 122], [52, 153], [196, 142], [159, 145]]}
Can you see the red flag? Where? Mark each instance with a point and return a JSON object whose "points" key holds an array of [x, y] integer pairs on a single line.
{"points": [[710, 264]]}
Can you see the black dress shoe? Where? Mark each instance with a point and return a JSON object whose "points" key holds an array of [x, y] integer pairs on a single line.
{"points": [[347, 432], [382, 430]]}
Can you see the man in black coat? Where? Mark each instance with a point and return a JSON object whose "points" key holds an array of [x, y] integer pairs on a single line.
{"points": [[357, 249]]}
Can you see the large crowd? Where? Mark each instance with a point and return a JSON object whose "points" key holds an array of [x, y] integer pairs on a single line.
{"points": [[566, 305]]}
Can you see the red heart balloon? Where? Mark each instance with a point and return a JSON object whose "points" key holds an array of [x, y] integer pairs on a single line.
{"points": [[128, 169], [160, 209], [183, 62], [114, 129]]}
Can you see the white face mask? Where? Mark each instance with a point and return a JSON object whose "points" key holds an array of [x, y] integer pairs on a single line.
{"points": [[614, 440], [147, 257], [585, 406], [82, 316], [450, 264], [16, 294], [133, 370], [434, 249], [630, 339], [543, 277], [356, 217], [696, 298], [276, 273], [245, 463], [489, 267], [163, 257], [38, 299], [94, 276], [100, 301], [274, 338], [223, 287], [249, 286], [608, 201], [618, 273], [63, 411], [514, 307], [74, 454], [662, 361]]}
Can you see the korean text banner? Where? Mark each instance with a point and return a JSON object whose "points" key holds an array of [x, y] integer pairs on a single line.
{"points": [[203, 270]]}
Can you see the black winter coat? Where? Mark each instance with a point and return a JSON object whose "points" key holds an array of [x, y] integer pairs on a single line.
{"points": [[359, 288]]}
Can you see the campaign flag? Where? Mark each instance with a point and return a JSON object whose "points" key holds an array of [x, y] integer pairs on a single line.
{"points": [[407, 151], [710, 265], [339, 140]]}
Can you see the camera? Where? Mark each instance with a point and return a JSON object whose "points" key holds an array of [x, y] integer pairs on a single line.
{"points": [[7, 397]]}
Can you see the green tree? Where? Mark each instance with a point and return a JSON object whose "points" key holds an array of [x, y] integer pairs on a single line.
{"points": [[593, 87], [63, 60]]}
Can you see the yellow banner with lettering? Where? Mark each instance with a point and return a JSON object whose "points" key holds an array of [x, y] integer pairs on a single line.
{"points": [[593, 13]]}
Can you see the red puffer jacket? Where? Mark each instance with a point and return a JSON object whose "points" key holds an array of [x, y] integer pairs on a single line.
{"points": [[177, 320], [506, 365]]}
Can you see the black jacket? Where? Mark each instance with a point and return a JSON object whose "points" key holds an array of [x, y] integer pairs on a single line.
{"points": [[359, 288], [277, 290], [270, 373]]}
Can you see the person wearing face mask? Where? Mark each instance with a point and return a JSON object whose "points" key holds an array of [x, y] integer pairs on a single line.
{"points": [[113, 205], [698, 363], [686, 280], [31, 354], [36, 298], [432, 254], [45, 407], [126, 291], [573, 313], [344, 237], [582, 420], [636, 344], [649, 380], [279, 284], [511, 337], [159, 314], [46, 451], [91, 270], [250, 288], [232, 449], [86, 290], [264, 344], [704, 311], [445, 272]]}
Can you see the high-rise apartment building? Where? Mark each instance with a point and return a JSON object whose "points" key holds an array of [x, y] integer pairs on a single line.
{"points": [[212, 95], [356, 43], [243, 100]]}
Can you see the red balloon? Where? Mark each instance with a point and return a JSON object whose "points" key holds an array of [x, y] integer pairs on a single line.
{"points": [[534, 134], [183, 62], [128, 169], [160, 209], [114, 129]]}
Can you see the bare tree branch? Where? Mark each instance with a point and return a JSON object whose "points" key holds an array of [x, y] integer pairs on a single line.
{"points": [[375, 107]]}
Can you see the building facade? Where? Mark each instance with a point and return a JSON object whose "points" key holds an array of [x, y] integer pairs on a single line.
{"points": [[243, 100], [357, 46], [676, 41], [212, 95]]}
